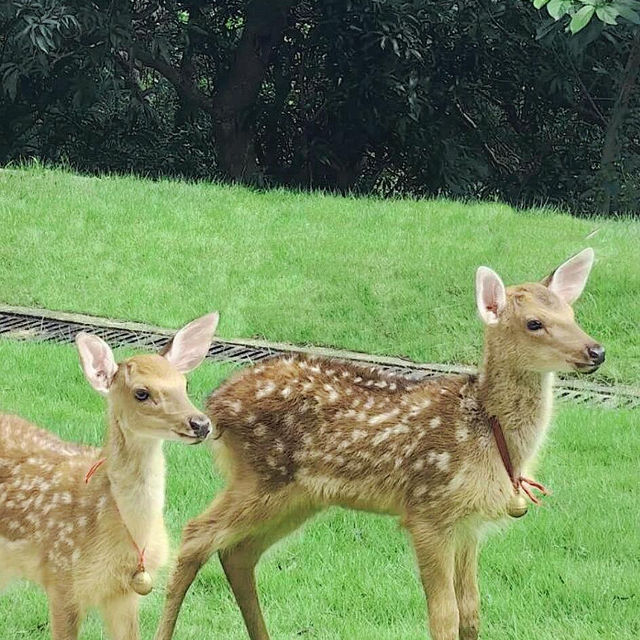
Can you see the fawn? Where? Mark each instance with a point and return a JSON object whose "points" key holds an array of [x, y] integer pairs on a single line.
{"points": [[91, 543], [298, 434]]}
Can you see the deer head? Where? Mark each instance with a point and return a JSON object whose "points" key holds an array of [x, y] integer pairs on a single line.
{"points": [[533, 325], [148, 393]]}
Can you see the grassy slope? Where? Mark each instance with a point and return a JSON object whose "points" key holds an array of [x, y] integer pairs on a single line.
{"points": [[569, 571], [385, 277]]}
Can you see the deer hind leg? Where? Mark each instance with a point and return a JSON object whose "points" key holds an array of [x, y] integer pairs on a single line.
{"points": [[233, 516], [63, 614], [120, 616], [239, 564], [435, 554], [466, 586]]}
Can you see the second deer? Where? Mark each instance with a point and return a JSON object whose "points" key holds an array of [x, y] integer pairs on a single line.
{"points": [[96, 541], [447, 455]]}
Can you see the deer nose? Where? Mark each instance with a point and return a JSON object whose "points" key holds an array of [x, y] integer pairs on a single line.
{"points": [[596, 353], [201, 425]]}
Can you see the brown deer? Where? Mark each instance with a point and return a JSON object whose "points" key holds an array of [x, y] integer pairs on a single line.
{"points": [[446, 455], [94, 541]]}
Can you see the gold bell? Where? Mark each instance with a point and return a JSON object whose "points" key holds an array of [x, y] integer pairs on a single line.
{"points": [[142, 583], [517, 506]]}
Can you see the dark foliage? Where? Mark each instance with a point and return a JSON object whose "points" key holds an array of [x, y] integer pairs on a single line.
{"points": [[480, 98]]}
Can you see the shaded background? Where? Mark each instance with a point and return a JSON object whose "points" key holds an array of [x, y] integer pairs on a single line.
{"points": [[473, 99]]}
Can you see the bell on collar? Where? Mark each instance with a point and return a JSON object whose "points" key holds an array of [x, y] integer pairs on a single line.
{"points": [[142, 583], [517, 506]]}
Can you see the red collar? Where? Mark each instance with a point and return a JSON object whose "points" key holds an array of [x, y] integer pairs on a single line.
{"points": [[519, 482]]}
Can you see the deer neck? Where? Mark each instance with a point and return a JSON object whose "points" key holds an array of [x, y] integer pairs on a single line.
{"points": [[136, 472], [520, 400]]}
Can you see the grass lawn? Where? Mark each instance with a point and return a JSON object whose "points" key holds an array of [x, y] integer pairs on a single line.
{"points": [[570, 571], [385, 277]]}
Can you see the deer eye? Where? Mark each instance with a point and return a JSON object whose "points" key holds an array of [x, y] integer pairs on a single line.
{"points": [[141, 395], [534, 325]]}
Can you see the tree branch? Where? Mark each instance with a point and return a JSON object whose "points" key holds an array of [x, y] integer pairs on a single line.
{"points": [[183, 85]]}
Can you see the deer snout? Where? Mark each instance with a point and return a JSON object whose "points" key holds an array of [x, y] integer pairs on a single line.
{"points": [[596, 354], [201, 425]]}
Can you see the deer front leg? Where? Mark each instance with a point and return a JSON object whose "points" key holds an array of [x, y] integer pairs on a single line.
{"points": [[239, 563], [120, 616], [466, 586], [435, 554], [64, 615], [228, 520], [198, 543]]}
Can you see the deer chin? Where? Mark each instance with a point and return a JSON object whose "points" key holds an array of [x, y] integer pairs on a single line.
{"points": [[188, 438], [585, 367]]}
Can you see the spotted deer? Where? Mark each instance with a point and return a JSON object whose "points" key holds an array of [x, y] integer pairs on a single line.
{"points": [[86, 523], [298, 434]]}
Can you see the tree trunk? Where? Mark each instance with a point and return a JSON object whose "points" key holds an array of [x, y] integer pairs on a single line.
{"points": [[611, 146], [238, 90]]}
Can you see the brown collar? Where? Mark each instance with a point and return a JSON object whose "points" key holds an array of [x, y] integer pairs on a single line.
{"points": [[518, 482]]}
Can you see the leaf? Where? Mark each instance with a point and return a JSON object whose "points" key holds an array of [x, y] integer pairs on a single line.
{"points": [[607, 14], [557, 8], [581, 19], [538, 4], [628, 14]]}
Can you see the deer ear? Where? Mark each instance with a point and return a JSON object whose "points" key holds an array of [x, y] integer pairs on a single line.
{"points": [[188, 348], [97, 361], [491, 296], [569, 279]]}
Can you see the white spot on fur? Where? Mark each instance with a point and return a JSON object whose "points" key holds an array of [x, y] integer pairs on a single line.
{"points": [[441, 460], [385, 434], [384, 416], [435, 422], [420, 490], [286, 392], [260, 429], [236, 406], [418, 465], [462, 433], [265, 391]]}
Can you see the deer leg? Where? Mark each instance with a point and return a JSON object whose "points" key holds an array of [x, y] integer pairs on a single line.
{"points": [[239, 564], [435, 554], [64, 616], [120, 616], [466, 586], [232, 517]]}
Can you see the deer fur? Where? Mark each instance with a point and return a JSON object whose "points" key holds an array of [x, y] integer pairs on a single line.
{"points": [[73, 537], [299, 434]]}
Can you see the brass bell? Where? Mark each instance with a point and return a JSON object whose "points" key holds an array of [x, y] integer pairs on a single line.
{"points": [[517, 506], [142, 583]]}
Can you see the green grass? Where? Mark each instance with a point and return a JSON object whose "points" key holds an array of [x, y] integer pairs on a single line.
{"points": [[386, 277], [570, 570]]}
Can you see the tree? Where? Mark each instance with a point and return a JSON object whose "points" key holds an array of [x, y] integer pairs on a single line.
{"points": [[479, 98]]}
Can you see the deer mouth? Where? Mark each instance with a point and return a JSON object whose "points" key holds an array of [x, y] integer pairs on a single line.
{"points": [[585, 367], [191, 438]]}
